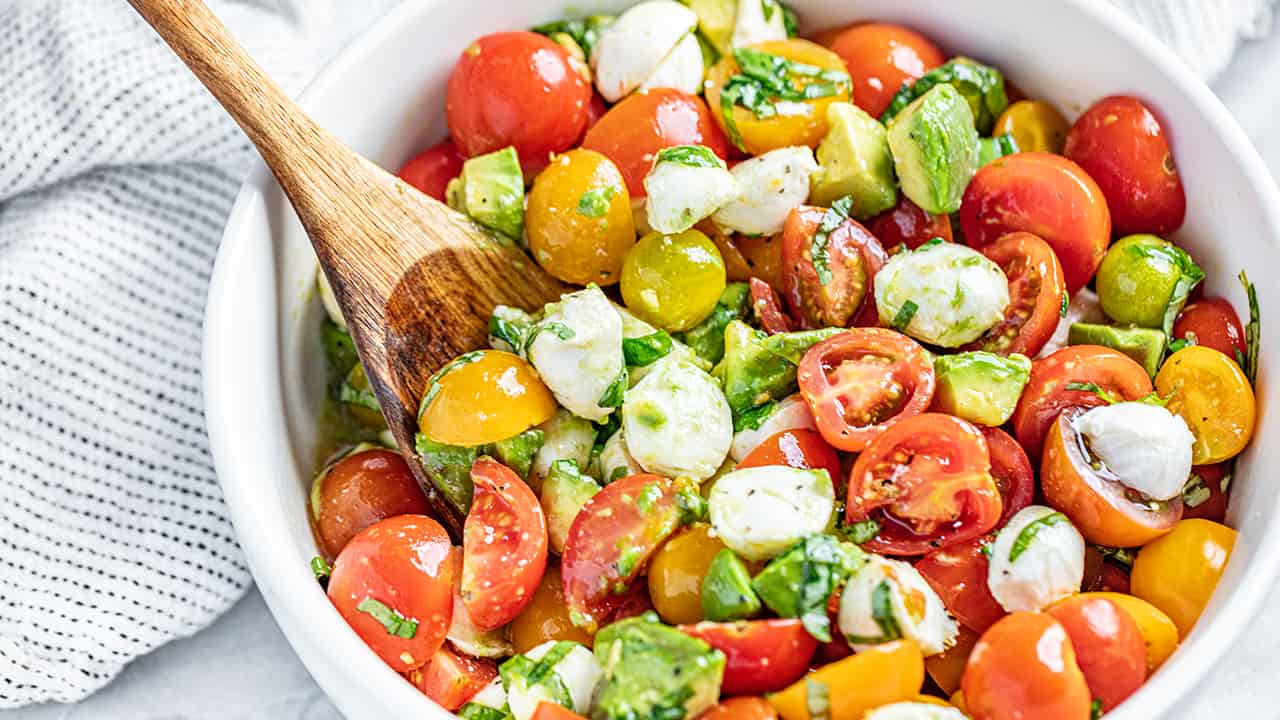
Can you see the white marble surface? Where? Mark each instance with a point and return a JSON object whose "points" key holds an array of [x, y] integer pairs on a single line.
{"points": [[241, 668]]}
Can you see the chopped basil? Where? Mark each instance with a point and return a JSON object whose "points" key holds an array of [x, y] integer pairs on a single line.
{"points": [[476, 711], [1028, 534], [933, 242], [1095, 709], [647, 349], [649, 496], [903, 318], [1066, 301], [693, 507], [627, 561], [882, 613], [1190, 276], [691, 155], [861, 531], [585, 32], [1195, 493], [395, 623], [594, 203], [321, 569], [835, 216], [752, 419], [1094, 388], [508, 332], [612, 396], [817, 699], [987, 548], [433, 385], [1184, 342], [799, 582], [521, 671], [338, 349], [1252, 330], [764, 79], [559, 329], [605, 430], [1121, 556]]}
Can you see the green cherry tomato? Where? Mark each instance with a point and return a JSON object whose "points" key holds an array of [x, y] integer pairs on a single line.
{"points": [[673, 281], [1144, 281]]}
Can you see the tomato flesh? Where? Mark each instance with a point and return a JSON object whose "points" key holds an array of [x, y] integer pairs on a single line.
{"points": [[1012, 472], [760, 655], [452, 678], [1036, 292], [504, 546], [841, 294], [768, 308]]}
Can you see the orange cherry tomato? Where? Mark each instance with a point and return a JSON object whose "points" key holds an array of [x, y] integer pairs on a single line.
{"points": [[482, 397], [546, 617], [959, 575], [358, 491], [1109, 646], [1036, 292], [574, 246], [676, 571], [1159, 634], [1179, 572], [881, 58], [1212, 322], [1012, 472], [906, 224], [760, 655], [764, 257], [947, 667], [767, 308], [1044, 194], [1213, 395], [884, 674], [1211, 502], [741, 708], [393, 584], [504, 546], [551, 711], [452, 678], [431, 170], [1024, 668], [854, 256], [1036, 126], [797, 448]]}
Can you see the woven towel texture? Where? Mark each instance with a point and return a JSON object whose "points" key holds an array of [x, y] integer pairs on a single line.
{"points": [[116, 174]]}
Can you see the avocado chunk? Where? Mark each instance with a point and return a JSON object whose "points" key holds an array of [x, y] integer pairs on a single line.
{"points": [[799, 582], [449, 469], [726, 590], [564, 492], [356, 393], [758, 368], [935, 149], [982, 87], [491, 191], [979, 386], [854, 160], [994, 148], [654, 671], [517, 452], [1145, 345], [706, 339]]}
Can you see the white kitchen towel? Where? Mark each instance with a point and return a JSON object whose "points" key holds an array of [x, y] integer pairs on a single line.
{"points": [[116, 174]]}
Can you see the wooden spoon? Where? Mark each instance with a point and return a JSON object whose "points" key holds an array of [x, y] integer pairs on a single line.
{"points": [[415, 279]]}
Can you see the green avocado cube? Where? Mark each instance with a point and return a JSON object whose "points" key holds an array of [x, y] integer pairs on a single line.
{"points": [[726, 590], [854, 160], [449, 469], [564, 493], [935, 149], [706, 339], [799, 582], [1145, 345], [517, 452], [654, 671], [492, 191], [979, 386], [758, 368]]}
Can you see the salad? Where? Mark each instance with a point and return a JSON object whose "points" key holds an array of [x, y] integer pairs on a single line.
{"points": [[881, 391]]}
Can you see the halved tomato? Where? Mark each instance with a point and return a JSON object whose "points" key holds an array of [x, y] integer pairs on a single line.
{"points": [[861, 382], [907, 224], [760, 655], [504, 546], [927, 482], [452, 678], [1109, 646], [741, 708], [1036, 295], [431, 170], [959, 575], [804, 449], [768, 308], [829, 265], [1207, 499], [947, 667], [1012, 470]]}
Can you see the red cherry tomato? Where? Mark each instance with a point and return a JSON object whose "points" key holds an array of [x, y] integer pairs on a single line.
{"points": [[1113, 579], [1214, 505], [611, 540], [853, 257], [927, 480], [401, 564], [906, 224], [1046, 393], [504, 546], [1012, 472], [1044, 194], [804, 449], [634, 130], [1212, 322], [959, 575], [520, 89], [881, 58], [1109, 646], [551, 711], [431, 170], [1024, 668], [595, 110], [1120, 143], [1036, 293], [741, 708], [768, 308], [760, 655], [361, 489], [451, 678]]}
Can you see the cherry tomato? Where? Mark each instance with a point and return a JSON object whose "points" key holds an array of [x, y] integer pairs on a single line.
{"points": [[632, 132], [804, 449], [551, 711], [1035, 126], [504, 546], [676, 572], [947, 667], [880, 675], [611, 540], [483, 397], [1211, 502], [1211, 393], [1102, 508], [768, 308], [860, 383], [452, 678], [546, 617], [741, 708], [1012, 472], [906, 224], [1213, 323], [595, 110], [881, 58], [578, 219], [1046, 195], [760, 655], [1159, 634], [1046, 393], [673, 281], [1179, 572], [1112, 579], [1122, 146], [1109, 646], [1024, 668], [1100, 575], [520, 89], [764, 258], [927, 480], [358, 491], [959, 575], [431, 170], [853, 257], [1036, 292], [399, 569]]}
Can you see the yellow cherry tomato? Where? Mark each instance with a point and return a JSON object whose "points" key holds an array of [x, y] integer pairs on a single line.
{"points": [[802, 122], [482, 397], [947, 667], [546, 617], [1158, 631], [673, 281], [957, 701], [1214, 397], [930, 700], [579, 218], [884, 674], [676, 572], [1178, 572], [1035, 126]]}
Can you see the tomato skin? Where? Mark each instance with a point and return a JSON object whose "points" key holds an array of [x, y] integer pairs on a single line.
{"points": [[452, 678], [361, 489], [1178, 572], [431, 170], [959, 575], [1214, 397], [881, 58], [676, 572], [803, 449], [1044, 194], [1159, 634], [880, 675], [1215, 507], [1123, 147], [1024, 668], [632, 132], [403, 562], [1012, 472], [947, 667], [760, 655], [927, 480], [483, 397], [1036, 289], [907, 224], [854, 256], [1214, 324], [504, 546], [1109, 646], [768, 308], [834, 374], [741, 708], [551, 711], [516, 88], [1036, 126], [546, 617]]}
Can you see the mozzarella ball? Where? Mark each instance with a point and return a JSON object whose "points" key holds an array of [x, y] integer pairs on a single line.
{"points": [[915, 711], [791, 413], [944, 294], [1147, 447], [578, 670], [886, 600], [752, 26], [579, 367], [677, 421], [631, 49], [769, 187], [565, 437], [1036, 560], [760, 512], [615, 459], [493, 695], [686, 185], [682, 68]]}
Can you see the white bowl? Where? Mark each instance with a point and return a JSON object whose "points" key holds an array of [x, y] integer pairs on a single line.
{"points": [[385, 96]]}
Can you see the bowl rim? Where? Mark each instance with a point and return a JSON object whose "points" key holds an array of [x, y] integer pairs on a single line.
{"points": [[335, 653]]}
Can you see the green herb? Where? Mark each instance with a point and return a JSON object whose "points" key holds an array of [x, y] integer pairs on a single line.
{"points": [[613, 394], [1121, 556], [363, 397], [1190, 275], [647, 349], [594, 203], [987, 548], [904, 316], [605, 430], [861, 531], [980, 85], [1182, 343], [1153, 398], [1195, 493], [790, 22], [931, 243], [321, 569], [649, 496], [559, 329], [1094, 388], [433, 384], [751, 419], [765, 79], [799, 582], [1095, 709], [476, 711], [395, 623], [1252, 330], [585, 32], [521, 671], [817, 699], [627, 561], [693, 507], [691, 155], [1066, 300], [339, 350], [1029, 533], [508, 332], [833, 218], [617, 474], [882, 613]]}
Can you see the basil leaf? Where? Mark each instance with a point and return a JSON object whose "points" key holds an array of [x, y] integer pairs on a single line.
{"points": [[799, 582], [833, 218], [647, 349], [594, 203], [1094, 388], [751, 419], [559, 329], [882, 613], [1066, 301], [691, 155], [1195, 493], [1252, 330], [1028, 534], [395, 623], [322, 570], [904, 316], [861, 531], [613, 394]]}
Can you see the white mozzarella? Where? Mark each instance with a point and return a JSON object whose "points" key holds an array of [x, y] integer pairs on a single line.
{"points": [[759, 512], [632, 48], [957, 292], [565, 437], [615, 459], [677, 421], [634, 327], [579, 368], [915, 711], [1083, 307], [328, 299], [769, 187], [791, 413], [578, 670], [885, 594], [493, 695], [754, 23], [682, 68], [516, 318], [680, 193], [1032, 568], [1147, 447]]}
